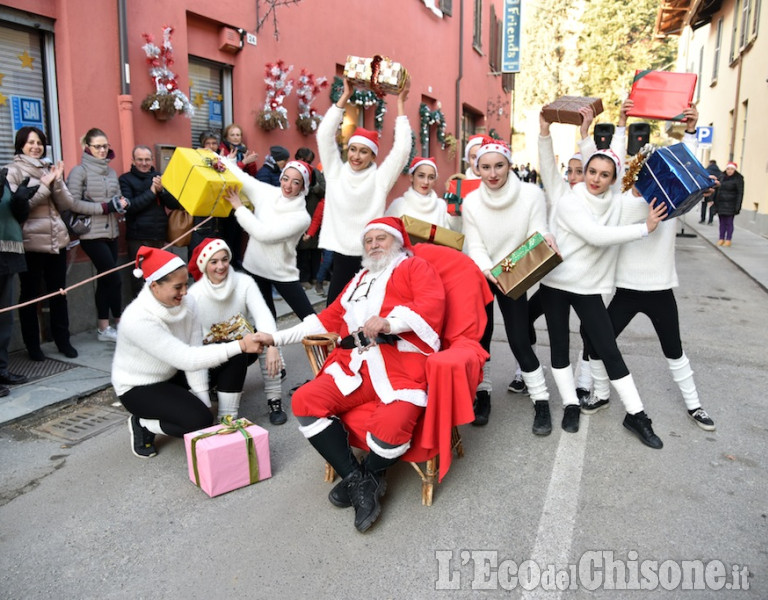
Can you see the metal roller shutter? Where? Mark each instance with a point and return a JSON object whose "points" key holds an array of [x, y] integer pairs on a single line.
{"points": [[206, 93]]}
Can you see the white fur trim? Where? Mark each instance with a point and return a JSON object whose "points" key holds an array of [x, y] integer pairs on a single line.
{"points": [[316, 427], [209, 250], [363, 141], [294, 164], [169, 267], [500, 148], [346, 383], [423, 161], [471, 143], [395, 452], [390, 230], [418, 325]]}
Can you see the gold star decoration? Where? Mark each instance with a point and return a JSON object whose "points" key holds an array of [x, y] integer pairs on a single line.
{"points": [[219, 97], [1, 78], [210, 93], [26, 60], [3, 99], [199, 100]]}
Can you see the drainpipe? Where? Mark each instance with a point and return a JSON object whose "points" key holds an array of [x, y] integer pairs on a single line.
{"points": [[735, 123], [124, 100], [458, 86]]}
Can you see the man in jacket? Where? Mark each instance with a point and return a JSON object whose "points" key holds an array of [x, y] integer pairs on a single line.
{"points": [[146, 218], [273, 165]]}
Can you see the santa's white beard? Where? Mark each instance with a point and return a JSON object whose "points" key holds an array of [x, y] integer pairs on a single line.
{"points": [[381, 261]]}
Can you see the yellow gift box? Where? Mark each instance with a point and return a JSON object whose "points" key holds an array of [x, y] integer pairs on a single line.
{"points": [[194, 181], [422, 231]]}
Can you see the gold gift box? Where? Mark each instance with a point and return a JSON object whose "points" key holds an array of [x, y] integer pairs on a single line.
{"points": [[526, 265], [235, 328], [421, 231], [191, 178], [379, 73]]}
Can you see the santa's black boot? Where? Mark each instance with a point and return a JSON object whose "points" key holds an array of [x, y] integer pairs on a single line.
{"points": [[365, 492], [333, 445]]}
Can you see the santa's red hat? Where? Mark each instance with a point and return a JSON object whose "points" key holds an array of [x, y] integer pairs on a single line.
{"points": [[154, 263], [490, 144], [394, 226], [366, 137], [301, 167], [203, 253], [732, 164], [420, 160], [474, 140]]}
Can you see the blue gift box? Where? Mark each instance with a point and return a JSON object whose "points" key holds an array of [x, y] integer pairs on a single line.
{"points": [[673, 175]]}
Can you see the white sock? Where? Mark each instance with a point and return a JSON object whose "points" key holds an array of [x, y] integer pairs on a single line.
{"points": [[600, 379], [536, 384], [273, 386], [683, 377], [628, 394], [152, 425], [583, 375], [565, 385], [485, 384], [229, 404]]}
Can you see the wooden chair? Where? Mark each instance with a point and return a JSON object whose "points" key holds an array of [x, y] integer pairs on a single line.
{"points": [[453, 373]]}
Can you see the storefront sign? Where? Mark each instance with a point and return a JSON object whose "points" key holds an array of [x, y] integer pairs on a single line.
{"points": [[26, 112], [510, 44]]}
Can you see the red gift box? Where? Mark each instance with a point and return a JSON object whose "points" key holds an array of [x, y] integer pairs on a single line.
{"points": [[457, 191], [661, 95]]}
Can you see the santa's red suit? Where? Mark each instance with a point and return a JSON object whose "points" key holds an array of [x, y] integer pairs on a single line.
{"points": [[410, 295]]}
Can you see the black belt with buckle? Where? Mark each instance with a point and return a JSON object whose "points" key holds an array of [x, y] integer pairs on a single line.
{"points": [[358, 340]]}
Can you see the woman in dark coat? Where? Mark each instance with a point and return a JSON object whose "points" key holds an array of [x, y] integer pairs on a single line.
{"points": [[728, 201]]}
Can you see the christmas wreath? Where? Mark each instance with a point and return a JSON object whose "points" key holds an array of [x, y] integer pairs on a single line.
{"points": [[429, 118], [167, 98], [274, 115], [364, 98], [307, 88]]}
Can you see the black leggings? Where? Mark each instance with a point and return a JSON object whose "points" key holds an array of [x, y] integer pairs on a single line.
{"points": [[178, 410], [659, 306], [291, 291], [230, 376], [516, 323], [344, 269], [595, 322], [103, 255]]}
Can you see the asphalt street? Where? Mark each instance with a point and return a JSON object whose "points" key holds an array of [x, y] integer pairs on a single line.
{"points": [[574, 511]]}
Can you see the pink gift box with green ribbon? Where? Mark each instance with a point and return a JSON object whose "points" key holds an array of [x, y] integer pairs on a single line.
{"points": [[228, 456]]}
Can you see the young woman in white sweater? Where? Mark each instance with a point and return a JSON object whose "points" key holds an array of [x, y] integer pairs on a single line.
{"points": [[220, 293], [275, 226], [356, 190], [499, 216], [420, 200], [586, 224], [160, 368]]}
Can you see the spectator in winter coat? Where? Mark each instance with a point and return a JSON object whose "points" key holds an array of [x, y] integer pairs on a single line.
{"points": [[715, 171], [273, 165], [728, 201]]}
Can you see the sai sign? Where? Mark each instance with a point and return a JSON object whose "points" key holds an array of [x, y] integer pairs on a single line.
{"points": [[26, 112]]}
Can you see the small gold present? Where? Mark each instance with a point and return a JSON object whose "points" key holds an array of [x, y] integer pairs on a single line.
{"points": [[378, 73], [235, 328], [421, 231], [526, 265]]}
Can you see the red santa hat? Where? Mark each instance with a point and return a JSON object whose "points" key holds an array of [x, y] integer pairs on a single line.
{"points": [[154, 263], [366, 137], [490, 144], [732, 164], [301, 167], [394, 226], [203, 253], [474, 140], [610, 155], [420, 160]]}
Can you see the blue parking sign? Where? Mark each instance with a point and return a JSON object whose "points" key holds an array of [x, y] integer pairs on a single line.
{"points": [[704, 134], [26, 112]]}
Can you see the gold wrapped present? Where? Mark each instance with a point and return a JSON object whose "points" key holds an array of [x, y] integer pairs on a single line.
{"points": [[525, 266], [379, 74], [235, 328], [198, 180], [566, 109], [421, 231]]}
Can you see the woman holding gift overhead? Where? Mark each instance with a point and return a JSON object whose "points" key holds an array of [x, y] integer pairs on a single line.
{"points": [[498, 217], [160, 368], [728, 201], [586, 226], [356, 191], [420, 200]]}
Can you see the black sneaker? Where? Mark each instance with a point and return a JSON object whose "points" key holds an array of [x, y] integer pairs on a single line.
{"points": [[640, 425], [142, 439], [583, 395], [517, 385], [594, 404], [542, 420], [339, 495], [571, 416], [482, 408], [276, 414], [364, 490], [702, 419]]}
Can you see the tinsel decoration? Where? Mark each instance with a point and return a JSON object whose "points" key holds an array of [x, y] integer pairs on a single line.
{"points": [[363, 98], [635, 165], [429, 118], [412, 155], [167, 97], [274, 115], [307, 88]]}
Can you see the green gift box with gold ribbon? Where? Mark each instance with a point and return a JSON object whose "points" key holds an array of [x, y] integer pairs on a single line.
{"points": [[526, 265], [228, 456]]}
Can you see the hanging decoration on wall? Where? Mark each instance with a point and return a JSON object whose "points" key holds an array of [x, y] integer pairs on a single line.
{"points": [[3, 99], [167, 99], [412, 155], [307, 88], [26, 61], [362, 98], [274, 115], [428, 118], [497, 109], [271, 11]]}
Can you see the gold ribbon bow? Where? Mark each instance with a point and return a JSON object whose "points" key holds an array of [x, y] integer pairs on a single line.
{"points": [[507, 265]]}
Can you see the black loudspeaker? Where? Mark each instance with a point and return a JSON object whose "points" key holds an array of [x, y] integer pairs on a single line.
{"points": [[603, 134], [639, 136]]}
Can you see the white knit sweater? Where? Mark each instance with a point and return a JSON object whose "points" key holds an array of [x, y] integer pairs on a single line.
{"points": [[498, 221], [155, 341], [353, 198], [587, 231], [427, 208], [238, 293]]}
